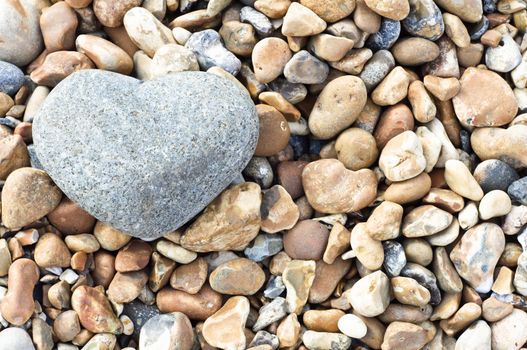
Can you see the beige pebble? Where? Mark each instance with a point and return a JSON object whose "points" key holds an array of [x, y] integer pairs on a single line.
{"points": [[393, 88], [370, 295], [425, 220], [456, 30], [83, 242], [445, 237], [409, 190], [396, 10], [239, 38], [423, 106], [431, 146], [288, 331], [505, 144], [402, 158], [368, 250], [493, 204], [329, 47], [269, 57], [418, 250], [330, 10], [298, 278], [445, 199], [503, 284], [338, 243], [462, 318], [385, 221], [468, 216], [279, 212], [404, 335], [14, 154], [356, 149], [239, 276], [442, 88], [110, 13], [58, 35], [173, 58], [509, 332], [494, 310], [461, 181], [407, 291], [272, 8], [175, 252], [110, 238], [414, 51], [301, 21]]}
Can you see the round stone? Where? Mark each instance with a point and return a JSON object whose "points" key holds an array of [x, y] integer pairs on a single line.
{"points": [[356, 149], [352, 326], [274, 131], [168, 331], [493, 174], [237, 277], [151, 173], [307, 240], [14, 338], [402, 158], [11, 78]]}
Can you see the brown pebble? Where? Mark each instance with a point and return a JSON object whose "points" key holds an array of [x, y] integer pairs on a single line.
{"points": [[394, 121], [58, 65], [197, 306], [51, 251], [306, 241], [14, 155], [69, 218], [133, 257], [94, 311], [274, 131], [356, 149], [111, 13], [127, 286], [191, 277], [289, 175], [414, 51], [104, 268], [237, 277], [25, 130], [58, 34]]}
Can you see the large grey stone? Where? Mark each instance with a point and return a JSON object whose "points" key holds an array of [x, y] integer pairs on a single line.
{"points": [[145, 157], [20, 37]]}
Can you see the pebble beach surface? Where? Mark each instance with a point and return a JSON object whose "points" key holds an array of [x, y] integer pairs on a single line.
{"points": [[263, 174]]}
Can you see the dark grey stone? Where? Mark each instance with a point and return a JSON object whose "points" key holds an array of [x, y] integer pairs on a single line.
{"points": [[477, 30], [35, 163], [292, 92], [209, 50], [260, 171], [425, 278], [258, 20], [304, 68], [377, 68], [386, 36], [489, 6], [264, 246], [145, 157], [518, 190], [11, 78], [493, 174], [271, 312], [9, 122], [424, 20], [139, 313], [394, 257]]}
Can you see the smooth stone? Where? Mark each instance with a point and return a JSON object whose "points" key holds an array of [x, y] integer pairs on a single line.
{"points": [[209, 49], [386, 36], [404, 335], [325, 340], [278, 210], [505, 57], [424, 20], [237, 277], [510, 332], [258, 20], [14, 338], [402, 158], [11, 78], [494, 204], [376, 69], [352, 326], [506, 145], [446, 64], [394, 257], [95, 311], [269, 57], [469, 11], [305, 68], [168, 331], [111, 14], [259, 170], [58, 35], [127, 286], [475, 337], [292, 92], [58, 65], [197, 306], [172, 58], [307, 240], [414, 51], [493, 174], [301, 21], [478, 29], [520, 275], [369, 251], [518, 190], [425, 220], [476, 255], [330, 10], [425, 278], [322, 320], [370, 296], [174, 198], [20, 39], [395, 10], [264, 246], [461, 181]]}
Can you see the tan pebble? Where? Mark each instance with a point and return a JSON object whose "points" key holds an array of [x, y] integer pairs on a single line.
{"points": [[197, 306], [27, 237], [445, 65], [274, 131], [237, 277], [104, 54], [471, 55], [175, 252], [134, 256], [198, 19], [149, 40], [418, 251], [468, 216], [104, 268], [442, 88], [423, 106], [509, 332], [447, 307], [368, 250], [297, 43], [337, 107], [505, 144], [392, 89], [5, 257], [409, 190], [272, 8], [14, 155], [78, 3], [275, 99], [494, 204], [407, 291], [404, 335], [495, 310], [69, 218], [6, 103], [94, 311], [353, 62], [322, 320], [231, 317], [491, 38], [127, 286], [25, 130], [385, 221], [330, 10], [510, 255], [110, 238], [51, 251], [279, 212], [425, 220], [456, 30], [142, 65], [215, 7], [58, 35], [338, 243], [414, 51], [515, 219], [329, 47], [331, 188], [111, 14], [120, 37], [269, 57], [18, 304], [406, 313], [288, 331], [229, 222], [301, 21], [356, 149], [279, 262], [445, 199], [461, 181], [431, 146], [66, 326], [447, 276], [191, 277], [327, 277], [484, 85], [161, 271], [503, 283], [393, 121], [59, 65], [59, 295], [239, 38], [395, 10], [298, 278], [79, 261], [83, 242], [402, 158], [365, 18], [462, 318], [370, 295]]}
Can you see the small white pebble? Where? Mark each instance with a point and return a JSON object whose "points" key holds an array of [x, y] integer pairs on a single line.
{"points": [[69, 276], [493, 204], [352, 326], [54, 270], [468, 216], [128, 325]]}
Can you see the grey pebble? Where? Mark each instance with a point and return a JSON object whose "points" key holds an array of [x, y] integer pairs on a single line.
{"points": [[377, 68], [394, 257], [386, 36], [477, 30], [258, 20], [265, 338], [504, 57], [305, 68], [425, 20], [33, 158], [518, 190], [264, 246], [260, 171], [271, 312], [145, 157], [9, 122], [494, 174], [11, 78], [274, 288], [209, 50], [292, 92], [425, 278]]}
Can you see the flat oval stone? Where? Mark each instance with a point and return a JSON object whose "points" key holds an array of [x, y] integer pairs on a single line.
{"points": [[113, 150]]}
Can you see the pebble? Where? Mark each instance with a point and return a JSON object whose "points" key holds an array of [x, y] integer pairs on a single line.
{"points": [[503, 144], [258, 20], [514, 221], [328, 118], [385, 221], [269, 58], [15, 338], [301, 21], [505, 57], [22, 40], [322, 320], [414, 51], [259, 170], [292, 92], [407, 291], [232, 317], [494, 204], [520, 276], [11, 78], [494, 310], [393, 121], [237, 277], [424, 20], [110, 238], [167, 331], [274, 288], [446, 64], [94, 311], [392, 89], [329, 47], [509, 332], [210, 51], [298, 278], [188, 278], [338, 243], [470, 11], [402, 158], [394, 257], [370, 296], [460, 180], [110, 14], [264, 246], [288, 331], [494, 174], [305, 68], [477, 336], [386, 36], [274, 131], [517, 191], [126, 286], [476, 255], [425, 220], [369, 251], [443, 89], [271, 8], [14, 154], [331, 188], [447, 277], [356, 149], [66, 326], [290, 112], [377, 67], [270, 312], [134, 256], [425, 277], [197, 306], [330, 10], [325, 340], [59, 65], [239, 38], [58, 35], [327, 277], [51, 251], [175, 252], [404, 335], [352, 326], [173, 58], [68, 217]]}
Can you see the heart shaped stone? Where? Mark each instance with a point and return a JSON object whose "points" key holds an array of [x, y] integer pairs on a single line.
{"points": [[145, 156]]}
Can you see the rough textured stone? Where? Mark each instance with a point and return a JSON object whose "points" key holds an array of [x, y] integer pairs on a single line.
{"points": [[169, 331], [146, 174], [11, 78], [210, 51], [424, 19]]}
